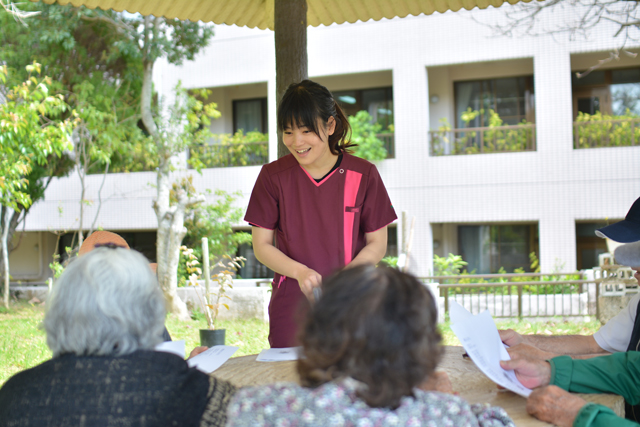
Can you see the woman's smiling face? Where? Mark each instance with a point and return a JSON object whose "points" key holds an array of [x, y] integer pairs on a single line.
{"points": [[309, 149]]}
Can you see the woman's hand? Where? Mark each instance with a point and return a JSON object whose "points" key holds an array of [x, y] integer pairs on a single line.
{"points": [[309, 279]]}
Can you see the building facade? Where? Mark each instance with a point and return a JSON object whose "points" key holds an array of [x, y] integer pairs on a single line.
{"points": [[490, 150]]}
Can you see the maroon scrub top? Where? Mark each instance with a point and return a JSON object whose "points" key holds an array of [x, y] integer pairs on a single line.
{"points": [[321, 225]]}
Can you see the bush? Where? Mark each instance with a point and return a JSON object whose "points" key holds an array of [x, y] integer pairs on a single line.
{"points": [[604, 130]]}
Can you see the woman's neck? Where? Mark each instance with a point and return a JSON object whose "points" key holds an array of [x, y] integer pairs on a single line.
{"points": [[321, 167]]}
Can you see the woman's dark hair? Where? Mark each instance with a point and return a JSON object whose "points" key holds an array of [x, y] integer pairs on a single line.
{"points": [[376, 325], [304, 103]]}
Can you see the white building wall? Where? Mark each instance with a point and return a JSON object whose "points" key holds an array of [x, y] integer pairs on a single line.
{"points": [[420, 56]]}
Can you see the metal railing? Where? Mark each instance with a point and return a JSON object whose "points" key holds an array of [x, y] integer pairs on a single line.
{"points": [[522, 294], [481, 140], [388, 138], [222, 155], [606, 133]]}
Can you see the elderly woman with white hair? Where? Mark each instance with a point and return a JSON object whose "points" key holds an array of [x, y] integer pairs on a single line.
{"points": [[104, 318]]}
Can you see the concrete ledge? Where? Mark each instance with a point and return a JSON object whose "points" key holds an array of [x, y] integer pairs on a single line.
{"points": [[247, 301]]}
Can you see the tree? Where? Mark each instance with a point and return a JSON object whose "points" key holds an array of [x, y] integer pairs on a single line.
{"points": [[30, 133], [99, 81], [187, 123], [124, 48], [529, 19], [176, 40], [364, 133]]}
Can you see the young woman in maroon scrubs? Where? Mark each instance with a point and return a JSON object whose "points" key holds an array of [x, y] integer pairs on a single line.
{"points": [[326, 208]]}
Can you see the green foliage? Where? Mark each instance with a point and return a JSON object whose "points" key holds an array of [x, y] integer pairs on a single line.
{"points": [[450, 266], [604, 130], [390, 261], [187, 123], [497, 137], [95, 70], [214, 221], [364, 134], [453, 265], [227, 150], [32, 132]]}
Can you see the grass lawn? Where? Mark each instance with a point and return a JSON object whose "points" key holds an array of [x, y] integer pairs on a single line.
{"points": [[22, 343]]}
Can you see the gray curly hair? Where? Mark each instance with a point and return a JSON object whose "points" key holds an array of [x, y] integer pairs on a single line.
{"points": [[107, 302]]}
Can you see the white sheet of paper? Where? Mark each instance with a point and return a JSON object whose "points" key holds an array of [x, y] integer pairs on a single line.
{"points": [[211, 359], [279, 354], [458, 313], [175, 347], [479, 337]]}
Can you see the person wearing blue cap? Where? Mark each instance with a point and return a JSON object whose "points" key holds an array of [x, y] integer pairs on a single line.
{"points": [[625, 231], [621, 333]]}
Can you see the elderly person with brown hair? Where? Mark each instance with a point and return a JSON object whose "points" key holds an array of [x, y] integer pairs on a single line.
{"points": [[369, 344], [104, 317]]}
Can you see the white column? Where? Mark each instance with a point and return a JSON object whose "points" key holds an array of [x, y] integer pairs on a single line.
{"points": [[405, 175], [553, 100], [557, 243]]}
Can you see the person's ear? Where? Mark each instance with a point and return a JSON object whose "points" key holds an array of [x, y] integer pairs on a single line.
{"points": [[331, 125]]}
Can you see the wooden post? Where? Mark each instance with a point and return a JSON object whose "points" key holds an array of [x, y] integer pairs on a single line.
{"points": [[520, 303], [290, 28]]}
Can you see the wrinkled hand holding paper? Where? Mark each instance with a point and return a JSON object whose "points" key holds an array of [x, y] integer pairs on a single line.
{"points": [[479, 337]]}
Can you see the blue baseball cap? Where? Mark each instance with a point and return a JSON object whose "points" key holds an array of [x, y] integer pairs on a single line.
{"points": [[625, 231]]}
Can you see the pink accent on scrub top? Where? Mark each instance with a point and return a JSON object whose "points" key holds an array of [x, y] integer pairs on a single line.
{"points": [[351, 185]]}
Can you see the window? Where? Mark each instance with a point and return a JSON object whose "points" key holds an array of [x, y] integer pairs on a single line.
{"points": [[612, 92], [512, 98], [588, 245], [487, 248], [250, 115], [378, 102]]}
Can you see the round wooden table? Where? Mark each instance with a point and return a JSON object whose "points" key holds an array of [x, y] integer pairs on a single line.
{"points": [[465, 377]]}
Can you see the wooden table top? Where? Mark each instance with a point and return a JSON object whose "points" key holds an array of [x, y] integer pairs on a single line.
{"points": [[465, 377]]}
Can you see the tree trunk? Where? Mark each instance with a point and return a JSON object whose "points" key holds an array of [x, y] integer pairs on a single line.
{"points": [[290, 24], [171, 230], [170, 220], [4, 250]]}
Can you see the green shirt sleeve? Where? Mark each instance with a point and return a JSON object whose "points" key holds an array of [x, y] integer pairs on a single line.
{"points": [[593, 415], [618, 373]]}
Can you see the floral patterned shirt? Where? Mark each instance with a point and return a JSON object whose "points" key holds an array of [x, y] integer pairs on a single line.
{"points": [[335, 404]]}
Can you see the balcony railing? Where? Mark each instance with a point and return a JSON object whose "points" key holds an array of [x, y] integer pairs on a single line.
{"points": [[497, 139], [606, 133], [388, 139], [223, 155]]}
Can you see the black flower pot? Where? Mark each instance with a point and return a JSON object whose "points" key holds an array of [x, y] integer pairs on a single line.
{"points": [[211, 337]]}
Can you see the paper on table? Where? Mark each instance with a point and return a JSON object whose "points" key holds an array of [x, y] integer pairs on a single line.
{"points": [[211, 359], [479, 337], [175, 347], [279, 354]]}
